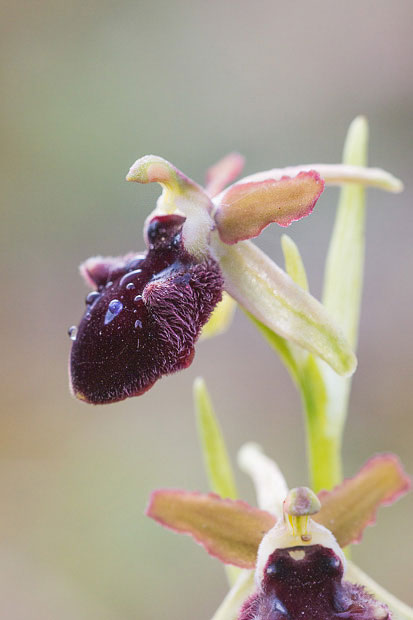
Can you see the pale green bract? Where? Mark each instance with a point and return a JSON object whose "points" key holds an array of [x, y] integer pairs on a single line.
{"points": [[217, 463]]}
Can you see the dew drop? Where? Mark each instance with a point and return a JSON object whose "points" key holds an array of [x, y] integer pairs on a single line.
{"points": [[278, 606], [72, 331], [138, 298], [138, 324], [134, 263], [108, 284], [130, 286], [127, 276], [92, 297], [114, 308]]}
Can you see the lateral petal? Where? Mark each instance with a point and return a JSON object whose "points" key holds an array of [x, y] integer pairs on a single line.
{"points": [[245, 209]]}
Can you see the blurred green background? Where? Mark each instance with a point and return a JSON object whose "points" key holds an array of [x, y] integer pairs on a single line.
{"points": [[87, 87]]}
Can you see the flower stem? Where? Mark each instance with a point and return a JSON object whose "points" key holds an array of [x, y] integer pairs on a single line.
{"points": [[325, 394], [324, 453], [323, 438]]}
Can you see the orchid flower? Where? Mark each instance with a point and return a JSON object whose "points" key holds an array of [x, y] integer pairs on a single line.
{"points": [[295, 545], [147, 310]]}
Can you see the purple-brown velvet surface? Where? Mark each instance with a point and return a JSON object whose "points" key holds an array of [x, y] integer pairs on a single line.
{"points": [[310, 588], [144, 317]]}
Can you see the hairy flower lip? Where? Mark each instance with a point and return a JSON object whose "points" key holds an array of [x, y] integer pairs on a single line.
{"points": [[310, 586], [144, 318]]}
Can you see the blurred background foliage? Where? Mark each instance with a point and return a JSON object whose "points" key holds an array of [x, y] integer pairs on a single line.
{"points": [[87, 87]]}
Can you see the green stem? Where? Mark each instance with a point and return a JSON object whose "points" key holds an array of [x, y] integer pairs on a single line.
{"points": [[324, 453], [323, 438], [325, 394]]}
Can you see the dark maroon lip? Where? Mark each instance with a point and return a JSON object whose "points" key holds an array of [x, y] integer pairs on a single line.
{"points": [[311, 587], [143, 318]]}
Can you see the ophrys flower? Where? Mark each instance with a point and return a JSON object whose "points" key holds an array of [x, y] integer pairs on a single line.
{"points": [[147, 310]]}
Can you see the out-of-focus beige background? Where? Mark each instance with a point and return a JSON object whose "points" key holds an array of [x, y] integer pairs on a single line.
{"points": [[87, 87]]}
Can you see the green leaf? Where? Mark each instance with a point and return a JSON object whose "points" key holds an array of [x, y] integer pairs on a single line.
{"points": [[343, 279], [345, 261], [217, 463]]}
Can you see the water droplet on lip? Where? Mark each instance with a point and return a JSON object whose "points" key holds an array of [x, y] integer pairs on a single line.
{"points": [[92, 297], [130, 274], [130, 286], [138, 324], [72, 331], [114, 308], [134, 263]]}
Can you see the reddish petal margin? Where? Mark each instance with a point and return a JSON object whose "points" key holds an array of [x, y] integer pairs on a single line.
{"points": [[245, 209], [352, 505], [229, 530], [224, 172]]}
